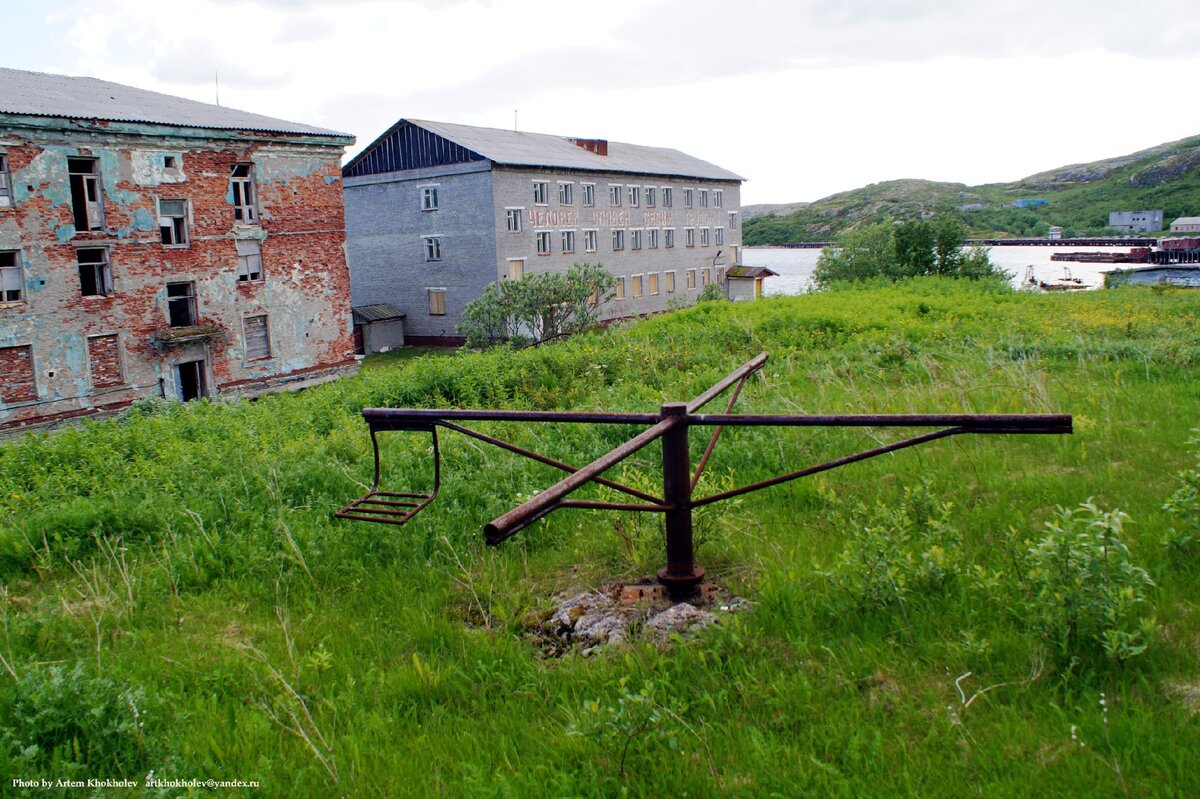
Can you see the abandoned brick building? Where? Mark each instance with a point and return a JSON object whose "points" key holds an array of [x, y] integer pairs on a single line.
{"points": [[156, 246]]}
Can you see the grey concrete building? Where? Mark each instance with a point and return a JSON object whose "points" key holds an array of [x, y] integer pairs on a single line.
{"points": [[1136, 221], [435, 212]]}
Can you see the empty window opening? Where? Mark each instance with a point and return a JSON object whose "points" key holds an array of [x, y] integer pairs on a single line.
{"points": [[249, 260], [258, 338], [181, 304], [241, 182], [172, 222], [10, 277], [169, 162], [189, 377], [87, 199], [95, 277]]}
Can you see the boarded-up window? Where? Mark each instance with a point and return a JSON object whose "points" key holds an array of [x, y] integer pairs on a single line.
{"points": [[669, 277], [516, 268], [637, 285], [620, 288], [258, 339], [16, 374], [249, 259], [104, 361], [437, 302], [652, 283]]}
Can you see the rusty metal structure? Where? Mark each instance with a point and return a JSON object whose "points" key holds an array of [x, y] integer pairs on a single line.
{"points": [[672, 424]]}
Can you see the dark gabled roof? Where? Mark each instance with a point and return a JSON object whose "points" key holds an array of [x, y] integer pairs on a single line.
{"points": [[517, 148], [44, 95], [365, 314], [750, 271]]}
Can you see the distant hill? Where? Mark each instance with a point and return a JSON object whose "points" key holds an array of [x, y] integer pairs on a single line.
{"points": [[771, 209], [1079, 198]]}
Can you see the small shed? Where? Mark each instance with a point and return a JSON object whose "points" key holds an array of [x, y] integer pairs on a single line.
{"points": [[746, 282], [377, 328]]}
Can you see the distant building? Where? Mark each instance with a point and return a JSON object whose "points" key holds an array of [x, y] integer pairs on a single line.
{"points": [[1136, 221], [1054, 232], [157, 246], [1030, 203], [1186, 224], [435, 212], [973, 206], [1172, 275]]}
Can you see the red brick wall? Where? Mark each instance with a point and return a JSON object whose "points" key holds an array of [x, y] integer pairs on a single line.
{"points": [[104, 361], [16, 374]]}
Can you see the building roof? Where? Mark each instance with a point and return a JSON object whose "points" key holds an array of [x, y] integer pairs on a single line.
{"points": [[382, 312], [749, 272], [44, 95], [1187, 220], [518, 148]]}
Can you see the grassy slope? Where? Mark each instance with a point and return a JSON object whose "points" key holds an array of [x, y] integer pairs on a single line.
{"points": [[1081, 197], [224, 584]]}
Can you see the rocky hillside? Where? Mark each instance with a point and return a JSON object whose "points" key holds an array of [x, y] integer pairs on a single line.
{"points": [[1079, 198]]}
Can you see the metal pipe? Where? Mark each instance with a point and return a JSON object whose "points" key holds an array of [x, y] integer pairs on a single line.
{"points": [[748, 368], [681, 574], [973, 423], [381, 418]]}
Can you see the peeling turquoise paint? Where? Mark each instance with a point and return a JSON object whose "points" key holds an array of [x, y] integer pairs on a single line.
{"points": [[330, 180], [271, 170], [64, 233], [143, 220]]}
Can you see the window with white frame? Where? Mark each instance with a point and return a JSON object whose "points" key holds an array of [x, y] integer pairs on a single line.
{"points": [[687, 198], [667, 196], [433, 248], [733, 220], [703, 237], [652, 238], [589, 193], [429, 198], [635, 196], [614, 195], [566, 193], [249, 254], [635, 239], [691, 278], [620, 295], [6, 197], [668, 237], [635, 283], [172, 222], [241, 184], [719, 235], [95, 277], [516, 268], [258, 337], [704, 198], [652, 284], [541, 192], [589, 240], [568, 241], [512, 219], [618, 240], [718, 198], [669, 281], [651, 196], [437, 302], [689, 237], [543, 242], [12, 284]]}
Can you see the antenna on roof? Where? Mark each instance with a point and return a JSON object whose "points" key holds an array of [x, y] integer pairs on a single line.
{"points": [[514, 120], [217, 85]]}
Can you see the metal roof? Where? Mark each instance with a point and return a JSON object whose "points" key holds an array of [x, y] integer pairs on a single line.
{"points": [[382, 312], [517, 148], [1187, 220], [41, 94]]}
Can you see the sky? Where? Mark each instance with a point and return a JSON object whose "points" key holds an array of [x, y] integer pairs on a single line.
{"points": [[803, 98]]}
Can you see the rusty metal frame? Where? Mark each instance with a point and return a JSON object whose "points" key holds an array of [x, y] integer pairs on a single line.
{"points": [[681, 574]]}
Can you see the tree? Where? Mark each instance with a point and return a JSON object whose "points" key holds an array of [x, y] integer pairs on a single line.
{"points": [[537, 307]]}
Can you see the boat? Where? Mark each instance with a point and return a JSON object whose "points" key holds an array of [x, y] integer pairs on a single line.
{"points": [[1067, 282]]}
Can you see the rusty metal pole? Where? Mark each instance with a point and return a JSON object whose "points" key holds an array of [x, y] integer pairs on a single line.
{"points": [[681, 575]]}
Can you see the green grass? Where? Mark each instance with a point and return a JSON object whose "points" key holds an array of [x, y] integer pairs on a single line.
{"points": [[184, 560]]}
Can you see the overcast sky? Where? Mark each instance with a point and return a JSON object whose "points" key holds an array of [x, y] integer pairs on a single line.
{"points": [[804, 98]]}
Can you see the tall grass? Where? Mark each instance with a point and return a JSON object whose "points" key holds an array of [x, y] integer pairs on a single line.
{"points": [[185, 558]]}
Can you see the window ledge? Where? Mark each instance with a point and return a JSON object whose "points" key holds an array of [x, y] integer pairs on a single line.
{"points": [[172, 336], [4, 306]]}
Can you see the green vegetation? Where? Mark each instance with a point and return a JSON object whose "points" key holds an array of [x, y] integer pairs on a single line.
{"points": [[538, 307], [905, 250], [1080, 200], [949, 620]]}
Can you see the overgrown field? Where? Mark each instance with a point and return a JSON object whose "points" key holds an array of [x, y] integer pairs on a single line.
{"points": [[178, 598]]}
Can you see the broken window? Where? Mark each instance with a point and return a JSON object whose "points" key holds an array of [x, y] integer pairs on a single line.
{"points": [[181, 304], [190, 379], [11, 283], [95, 277], [249, 260], [172, 222], [17, 383], [87, 199], [433, 248], [241, 182], [258, 339], [437, 302], [6, 199], [512, 218]]}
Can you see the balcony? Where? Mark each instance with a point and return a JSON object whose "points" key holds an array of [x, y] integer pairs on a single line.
{"points": [[178, 336]]}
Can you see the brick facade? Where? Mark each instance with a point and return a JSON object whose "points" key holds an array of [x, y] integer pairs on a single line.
{"points": [[16, 375], [96, 305]]}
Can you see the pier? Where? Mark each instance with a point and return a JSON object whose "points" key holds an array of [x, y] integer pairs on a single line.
{"points": [[1106, 241]]}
